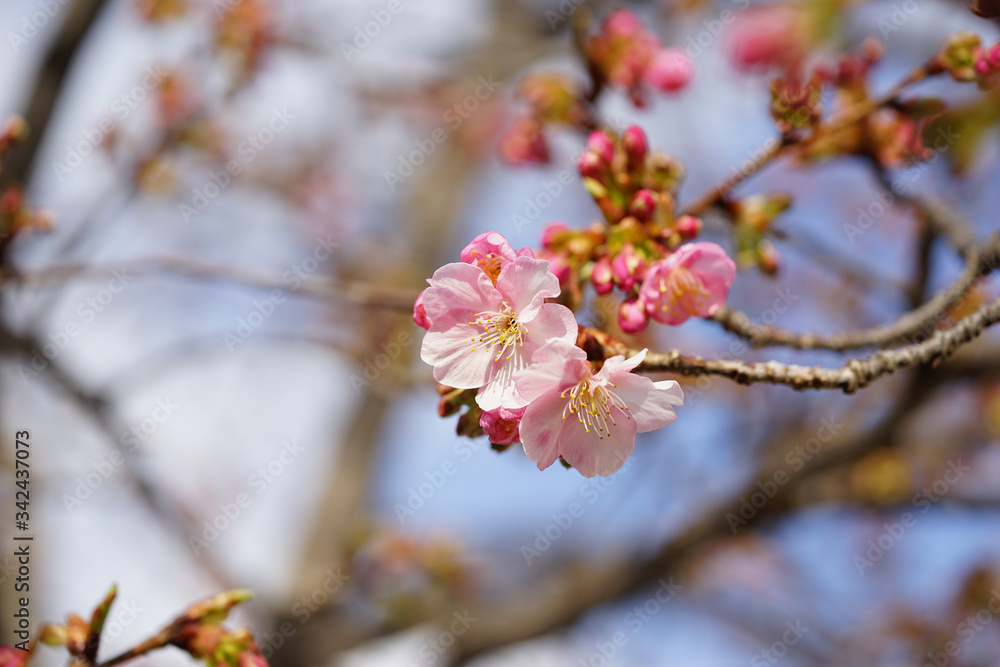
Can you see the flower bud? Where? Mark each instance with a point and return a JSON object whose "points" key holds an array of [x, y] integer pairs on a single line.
{"points": [[552, 231], [635, 146], [592, 165], [599, 142], [643, 205], [629, 268], [469, 423], [688, 226], [602, 277], [558, 265], [501, 425], [420, 314], [670, 71], [768, 258], [15, 128], [632, 317]]}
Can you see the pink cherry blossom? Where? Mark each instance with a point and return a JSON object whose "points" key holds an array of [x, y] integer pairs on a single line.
{"points": [[481, 333], [501, 425], [670, 71], [589, 419], [694, 281]]}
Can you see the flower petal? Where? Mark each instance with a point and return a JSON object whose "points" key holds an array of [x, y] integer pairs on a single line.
{"points": [[458, 288], [593, 455], [450, 353], [525, 284], [650, 403], [554, 367], [541, 429], [499, 389]]}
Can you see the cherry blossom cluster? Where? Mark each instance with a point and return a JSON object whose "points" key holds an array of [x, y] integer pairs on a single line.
{"points": [[501, 344], [623, 54]]}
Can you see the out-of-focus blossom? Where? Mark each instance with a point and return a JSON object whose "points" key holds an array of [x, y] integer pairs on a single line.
{"points": [[632, 317], [524, 143], [671, 70]]}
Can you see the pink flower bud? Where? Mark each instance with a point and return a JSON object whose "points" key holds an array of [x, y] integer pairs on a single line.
{"points": [[993, 56], [629, 268], [643, 205], [688, 226], [524, 143], [670, 71], [983, 66], [602, 277], [634, 143], [592, 165], [420, 315], [558, 265], [551, 231], [501, 425], [622, 22], [599, 142], [632, 317]]}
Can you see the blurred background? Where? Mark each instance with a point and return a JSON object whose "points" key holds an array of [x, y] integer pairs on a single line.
{"points": [[213, 350]]}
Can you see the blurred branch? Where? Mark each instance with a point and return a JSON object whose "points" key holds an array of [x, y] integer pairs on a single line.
{"points": [[854, 375], [367, 294], [80, 16]]}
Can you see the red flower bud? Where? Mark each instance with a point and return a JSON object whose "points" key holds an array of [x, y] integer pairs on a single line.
{"points": [[643, 205], [632, 317], [634, 143], [688, 226], [602, 277], [599, 142]]}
